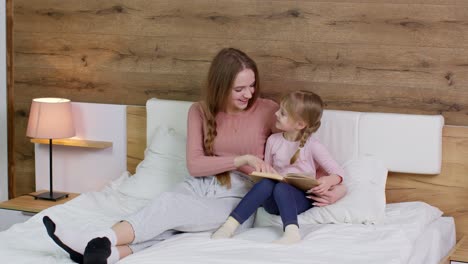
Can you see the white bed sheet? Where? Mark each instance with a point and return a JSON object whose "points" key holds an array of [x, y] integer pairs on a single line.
{"points": [[321, 244], [435, 242], [390, 243]]}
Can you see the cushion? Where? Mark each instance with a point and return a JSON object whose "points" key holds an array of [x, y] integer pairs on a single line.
{"points": [[365, 178], [405, 143], [339, 133], [169, 113], [163, 167]]}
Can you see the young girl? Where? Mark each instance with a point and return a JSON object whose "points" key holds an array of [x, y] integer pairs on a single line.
{"points": [[294, 150]]}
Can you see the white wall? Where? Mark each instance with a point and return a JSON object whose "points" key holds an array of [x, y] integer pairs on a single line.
{"points": [[78, 169], [3, 108]]}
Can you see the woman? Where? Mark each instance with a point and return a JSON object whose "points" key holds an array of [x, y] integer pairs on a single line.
{"points": [[226, 140]]}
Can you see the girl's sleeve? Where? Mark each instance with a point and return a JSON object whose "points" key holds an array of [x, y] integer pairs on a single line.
{"points": [[199, 164], [324, 159]]}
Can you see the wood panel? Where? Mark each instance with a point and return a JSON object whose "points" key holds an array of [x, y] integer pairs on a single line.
{"points": [[461, 251], [377, 78], [10, 100], [449, 190], [27, 203], [136, 88], [136, 136], [74, 142], [330, 22], [377, 65], [24, 152], [403, 56]]}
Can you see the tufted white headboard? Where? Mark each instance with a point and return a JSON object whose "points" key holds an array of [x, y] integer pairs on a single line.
{"points": [[405, 143]]}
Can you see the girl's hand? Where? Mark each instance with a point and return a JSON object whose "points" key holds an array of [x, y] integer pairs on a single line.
{"points": [[329, 197], [325, 183]]}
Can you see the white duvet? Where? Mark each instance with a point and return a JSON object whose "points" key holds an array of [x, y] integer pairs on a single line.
{"points": [[388, 243]]}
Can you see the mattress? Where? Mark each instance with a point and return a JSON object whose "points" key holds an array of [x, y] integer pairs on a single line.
{"points": [[402, 239]]}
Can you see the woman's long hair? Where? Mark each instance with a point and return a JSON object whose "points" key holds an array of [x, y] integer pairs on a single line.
{"points": [[221, 76], [303, 106]]}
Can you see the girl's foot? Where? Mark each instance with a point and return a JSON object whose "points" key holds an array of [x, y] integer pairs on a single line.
{"points": [[227, 229], [291, 235]]}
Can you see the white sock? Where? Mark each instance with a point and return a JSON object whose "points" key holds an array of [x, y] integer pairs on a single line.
{"points": [[114, 256], [78, 240], [291, 235], [227, 229]]}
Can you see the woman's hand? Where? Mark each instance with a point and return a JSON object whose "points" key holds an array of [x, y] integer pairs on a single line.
{"points": [[254, 162], [334, 194]]}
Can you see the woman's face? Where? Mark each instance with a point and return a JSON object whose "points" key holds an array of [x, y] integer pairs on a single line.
{"points": [[242, 91]]}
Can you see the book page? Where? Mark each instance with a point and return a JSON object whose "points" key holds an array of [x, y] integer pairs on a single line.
{"points": [[272, 176], [303, 182]]}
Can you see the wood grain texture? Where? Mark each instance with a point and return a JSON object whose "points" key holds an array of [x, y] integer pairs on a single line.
{"points": [[27, 203], [10, 100], [136, 136], [330, 22], [398, 56], [461, 251], [72, 142]]}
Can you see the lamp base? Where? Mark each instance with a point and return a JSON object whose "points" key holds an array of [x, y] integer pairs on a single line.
{"points": [[47, 196]]}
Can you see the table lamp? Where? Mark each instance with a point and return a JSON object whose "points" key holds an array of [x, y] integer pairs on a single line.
{"points": [[50, 118]]}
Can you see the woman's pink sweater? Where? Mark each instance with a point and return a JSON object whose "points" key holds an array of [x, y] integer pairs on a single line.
{"points": [[238, 134]]}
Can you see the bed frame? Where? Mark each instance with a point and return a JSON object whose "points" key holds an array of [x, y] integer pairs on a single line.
{"points": [[448, 191]]}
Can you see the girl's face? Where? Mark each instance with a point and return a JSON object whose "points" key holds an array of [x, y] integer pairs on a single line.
{"points": [[242, 91], [285, 123]]}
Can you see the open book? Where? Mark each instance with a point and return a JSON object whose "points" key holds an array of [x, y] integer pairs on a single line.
{"points": [[300, 181]]}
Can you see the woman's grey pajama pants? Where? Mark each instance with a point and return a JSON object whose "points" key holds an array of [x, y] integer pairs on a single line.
{"points": [[197, 204]]}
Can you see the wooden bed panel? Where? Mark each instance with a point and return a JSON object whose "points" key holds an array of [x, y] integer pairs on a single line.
{"points": [[447, 191], [136, 136]]}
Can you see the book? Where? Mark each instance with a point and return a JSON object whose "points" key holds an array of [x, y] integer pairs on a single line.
{"points": [[301, 181]]}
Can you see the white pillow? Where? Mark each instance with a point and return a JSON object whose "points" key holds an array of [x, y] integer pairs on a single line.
{"points": [[365, 178], [163, 167]]}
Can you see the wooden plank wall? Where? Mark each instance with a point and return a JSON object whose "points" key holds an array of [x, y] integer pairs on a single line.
{"points": [[406, 56]]}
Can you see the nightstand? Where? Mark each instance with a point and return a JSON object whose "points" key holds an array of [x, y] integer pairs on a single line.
{"points": [[21, 208], [460, 253]]}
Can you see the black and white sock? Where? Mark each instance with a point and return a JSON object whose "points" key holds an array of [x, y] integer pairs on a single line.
{"points": [[75, 242], [100, 251]]}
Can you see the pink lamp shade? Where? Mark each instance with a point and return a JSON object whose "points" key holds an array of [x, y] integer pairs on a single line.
{"points": [[50, 118]]}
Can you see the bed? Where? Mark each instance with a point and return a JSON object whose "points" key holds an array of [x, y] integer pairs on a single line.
{"points": [[372, 232]]}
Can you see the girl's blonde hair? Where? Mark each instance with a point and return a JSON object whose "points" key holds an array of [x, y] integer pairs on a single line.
{"points": [[307, 107], [221, 76]]}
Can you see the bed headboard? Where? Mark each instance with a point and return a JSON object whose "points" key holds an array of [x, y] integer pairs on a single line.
{"points": [[447, 190]]}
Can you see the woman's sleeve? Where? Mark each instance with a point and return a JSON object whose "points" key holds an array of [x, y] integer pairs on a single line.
{"points": [[322, 156], [198, 164], [268, 151]]}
